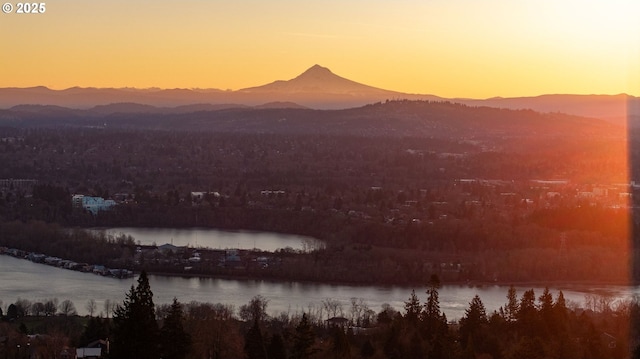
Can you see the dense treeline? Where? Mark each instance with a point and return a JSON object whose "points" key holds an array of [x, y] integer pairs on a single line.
{"points": [[412, 205], [110, 161], [530, 325], [73, 244]]}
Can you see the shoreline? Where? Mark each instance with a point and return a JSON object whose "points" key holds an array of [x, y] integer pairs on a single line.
{"points": [[472, 284], [555, 284]]}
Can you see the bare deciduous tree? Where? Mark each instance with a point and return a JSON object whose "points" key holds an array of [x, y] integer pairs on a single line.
{"points": [[37, 309], [109, 307], [51, 307], [213, 330], [23, 306], [359, 311], [91, 307], [67, 308], [255, 310], [333, 307]]}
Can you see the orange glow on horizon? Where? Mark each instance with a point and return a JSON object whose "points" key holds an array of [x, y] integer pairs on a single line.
{"points": [[450, 49]]}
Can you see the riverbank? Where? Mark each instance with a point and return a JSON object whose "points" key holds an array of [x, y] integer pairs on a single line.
{"points": [[360, 264], [125, 273], [40, 258], [37, 282], [469, 284]]}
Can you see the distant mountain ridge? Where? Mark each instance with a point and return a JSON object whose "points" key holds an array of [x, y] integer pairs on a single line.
{"points": [[318, 79], [613, 108], [317, 88], [390, 118]]}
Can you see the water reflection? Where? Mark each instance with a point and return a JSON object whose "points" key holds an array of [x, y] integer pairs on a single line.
{"points": [[217, 239], [38, 282]]}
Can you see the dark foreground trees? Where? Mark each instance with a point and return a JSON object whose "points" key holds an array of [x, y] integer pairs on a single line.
{"points": [[254, 347], [174, 340], [303, 339], [542, 326], [135, 332]]}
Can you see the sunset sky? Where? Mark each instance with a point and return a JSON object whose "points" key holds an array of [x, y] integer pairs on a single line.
{"points": [[450, 48]]}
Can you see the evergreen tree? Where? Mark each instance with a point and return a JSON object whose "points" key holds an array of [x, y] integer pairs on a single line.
{"points": [[276, 348], [392, 343], [416, 347], [412, 308], [512, 307], [471, 324], [339, 344], [175, 342], [432, 306], [135, 332], [431, 315], [528, 314], [560, 307], [254, 344], [367, 349], [546, 310], [12, 312], [546, 301], [96, 329], [434, 321], [303, 339], [527, 303]]}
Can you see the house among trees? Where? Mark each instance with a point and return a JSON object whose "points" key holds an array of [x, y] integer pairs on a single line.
{"points": [[232, 259], [17, 184], [93, 350], [168, 248], [199, 197], [272, 193], [340, 322]]}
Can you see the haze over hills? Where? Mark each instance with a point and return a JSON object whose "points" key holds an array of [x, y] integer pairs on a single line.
{"points": [[614, 108], [393, 118], [317, 88]]}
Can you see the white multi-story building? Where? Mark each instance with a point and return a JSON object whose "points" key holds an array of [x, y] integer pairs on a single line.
{"points": [[92, 204]]}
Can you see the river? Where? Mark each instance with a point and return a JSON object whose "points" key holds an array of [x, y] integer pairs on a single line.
{"points": [[21, 278], [216, 239]]}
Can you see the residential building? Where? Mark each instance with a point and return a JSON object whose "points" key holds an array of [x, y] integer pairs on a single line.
{"points": [[92, 204]]}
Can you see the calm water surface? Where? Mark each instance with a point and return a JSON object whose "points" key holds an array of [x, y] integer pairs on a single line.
{"points": [[24, 279], [216, 239]]}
